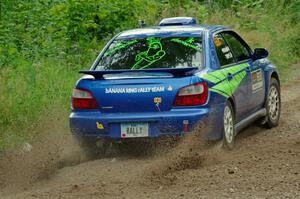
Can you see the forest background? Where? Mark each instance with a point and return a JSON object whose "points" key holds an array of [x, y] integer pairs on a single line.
{"points": [[44, 43]]}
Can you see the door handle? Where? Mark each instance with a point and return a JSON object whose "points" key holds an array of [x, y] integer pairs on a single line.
{"points": [[229, 76], [247, 69]]}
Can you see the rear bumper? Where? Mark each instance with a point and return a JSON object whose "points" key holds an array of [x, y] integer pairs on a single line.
{"points": [[84, 123]]}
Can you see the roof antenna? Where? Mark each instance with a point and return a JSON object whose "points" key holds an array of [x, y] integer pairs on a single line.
{"points": [[142, 23]]}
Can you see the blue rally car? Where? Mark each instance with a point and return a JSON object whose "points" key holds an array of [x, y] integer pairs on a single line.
{"points": [[163, 80]]}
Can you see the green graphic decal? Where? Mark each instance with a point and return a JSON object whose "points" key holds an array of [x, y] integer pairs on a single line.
{"points": [[120, 45], [150, 56], [189, 43], [223, 86]]}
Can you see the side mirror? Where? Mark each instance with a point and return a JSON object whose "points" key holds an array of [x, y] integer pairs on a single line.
{"points": [[260, 53]]}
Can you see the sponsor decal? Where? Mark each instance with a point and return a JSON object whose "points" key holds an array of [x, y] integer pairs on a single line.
{"points": [[225, 49], [155, 89], [153, 54], [222, 85], [157, 100], [228, 55], [188, 43], [99, 125], [257, 80], [170, 88], [217, 41], [119, 46]]}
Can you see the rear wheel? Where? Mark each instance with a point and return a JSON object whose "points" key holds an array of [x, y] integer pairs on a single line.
{"points": [[92, 148], [228, 126], [139, 147], [273, 104]]}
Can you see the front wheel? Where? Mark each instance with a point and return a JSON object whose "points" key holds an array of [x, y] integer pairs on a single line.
{"points": [[228, 126], [273, 104]]}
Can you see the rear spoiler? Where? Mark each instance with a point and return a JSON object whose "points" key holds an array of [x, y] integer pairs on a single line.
{"points": [[176, 72]]}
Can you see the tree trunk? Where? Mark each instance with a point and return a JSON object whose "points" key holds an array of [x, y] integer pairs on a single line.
{"points": [[208, 4]]}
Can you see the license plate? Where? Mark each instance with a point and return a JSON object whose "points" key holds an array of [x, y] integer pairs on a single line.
{"points": [[132, 130]]}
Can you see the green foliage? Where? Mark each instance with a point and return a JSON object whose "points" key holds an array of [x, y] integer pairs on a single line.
{"points": [[34, 29], [262, 26], [43, 44], [175, 8]]}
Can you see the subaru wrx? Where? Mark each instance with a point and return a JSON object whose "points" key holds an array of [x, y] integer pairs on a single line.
{"points": [[156, 81]]}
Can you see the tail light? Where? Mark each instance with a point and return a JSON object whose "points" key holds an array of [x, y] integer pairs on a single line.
{"points": [[192, 95], [83, 99]]}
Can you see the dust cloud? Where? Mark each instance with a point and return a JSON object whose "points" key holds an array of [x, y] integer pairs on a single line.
{"points": [[54, 148]]}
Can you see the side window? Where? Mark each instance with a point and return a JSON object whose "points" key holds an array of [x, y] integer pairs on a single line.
{"points": [[223, 51], [238, 46]]}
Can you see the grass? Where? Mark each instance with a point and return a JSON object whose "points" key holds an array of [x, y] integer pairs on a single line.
{"points": [[265, 30], [29, 93]]}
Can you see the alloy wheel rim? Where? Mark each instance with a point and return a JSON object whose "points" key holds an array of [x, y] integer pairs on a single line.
{"points": [[273, 103], [228, 124]]}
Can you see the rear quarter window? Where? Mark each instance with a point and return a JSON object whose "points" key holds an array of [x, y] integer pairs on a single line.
{"points": [[240, 49], [223, 51]]}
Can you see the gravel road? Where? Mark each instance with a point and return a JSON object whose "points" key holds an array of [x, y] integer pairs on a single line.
{"points": [[264, 164]]}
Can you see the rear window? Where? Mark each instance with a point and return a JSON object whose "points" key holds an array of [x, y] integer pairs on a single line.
{"points": [[149, 53]]}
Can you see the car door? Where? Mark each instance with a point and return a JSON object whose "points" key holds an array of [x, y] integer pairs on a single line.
{"points": [[257, 86], [236, 73], [255, 75]]}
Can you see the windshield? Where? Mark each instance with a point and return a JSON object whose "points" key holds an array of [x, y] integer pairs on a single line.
{"points": [[149, 53]]}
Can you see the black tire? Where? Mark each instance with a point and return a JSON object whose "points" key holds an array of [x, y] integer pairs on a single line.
{"points": [[273, 104], [228, 134]]}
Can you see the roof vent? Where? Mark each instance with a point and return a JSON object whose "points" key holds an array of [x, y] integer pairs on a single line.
{"points": [[177, 21]]}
